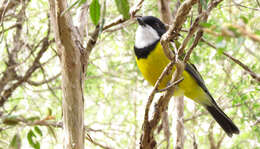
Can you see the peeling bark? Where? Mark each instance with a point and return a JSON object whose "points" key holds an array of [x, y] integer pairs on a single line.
{"points": [[72, 74], [178, 125]]}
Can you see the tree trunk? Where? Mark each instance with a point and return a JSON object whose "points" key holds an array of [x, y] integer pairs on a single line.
{"points": [[178, 125], [72, 74], [73, 102], [165, 11]]}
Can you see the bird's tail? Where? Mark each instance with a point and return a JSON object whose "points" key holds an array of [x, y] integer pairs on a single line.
{"points": [[223, 120]]}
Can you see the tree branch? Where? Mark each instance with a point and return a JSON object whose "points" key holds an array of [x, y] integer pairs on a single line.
{"points": [[210, 136], [93, 38], [39, 83], [96, 143], [178, 123], [147, 140], [245, 67], [36, 64], [165, 11], [69, 46]]}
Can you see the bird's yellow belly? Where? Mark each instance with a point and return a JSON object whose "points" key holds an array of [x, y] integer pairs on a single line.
{"points": [[152, 67]]}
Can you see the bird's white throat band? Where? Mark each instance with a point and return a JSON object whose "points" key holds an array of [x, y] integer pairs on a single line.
{"points": [[145, 36]]}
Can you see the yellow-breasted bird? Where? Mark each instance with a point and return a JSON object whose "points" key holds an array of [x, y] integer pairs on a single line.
{"points": [[151, 61]]}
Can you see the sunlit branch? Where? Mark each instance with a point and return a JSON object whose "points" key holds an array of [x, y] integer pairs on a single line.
{"points": [[241, 64], [147, 140]]}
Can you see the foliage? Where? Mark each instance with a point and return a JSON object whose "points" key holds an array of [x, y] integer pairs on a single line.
{"points": [[123, 7], [94, 10]]}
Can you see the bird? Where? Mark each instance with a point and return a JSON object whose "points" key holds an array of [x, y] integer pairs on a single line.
{"points": [[151, 61]]}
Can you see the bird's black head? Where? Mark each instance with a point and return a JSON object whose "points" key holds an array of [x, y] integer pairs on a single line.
{"points": [[147, 35], [149, 31], [153, 22]]}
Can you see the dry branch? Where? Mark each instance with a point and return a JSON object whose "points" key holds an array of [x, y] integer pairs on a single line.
{"points": [[147, 140], [93, 38], [178, 123], [166, 128], [241, 64], [240, 30], [178, 131], [165, 11], [36, 64], [120, 19], [11, 79], [38, 83], [203, 16], [96, 143], [245, 67], [178, 21], [8, 5]]}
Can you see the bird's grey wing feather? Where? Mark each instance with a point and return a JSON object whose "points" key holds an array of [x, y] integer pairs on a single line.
{"points": [[192, 70]]}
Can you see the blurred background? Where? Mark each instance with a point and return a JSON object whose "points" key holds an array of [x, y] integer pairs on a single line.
{"points": [[115, 92]]}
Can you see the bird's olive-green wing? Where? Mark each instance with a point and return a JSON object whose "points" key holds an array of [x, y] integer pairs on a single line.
{"points": [[192, 70]]}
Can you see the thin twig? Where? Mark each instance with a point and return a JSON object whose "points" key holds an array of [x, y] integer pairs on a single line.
{"points": [[120, 19], [36, 64], [204, 16], [258, 4], [166, 129], [150, 99], [88, 137], [93, 38], [245, 67], [38, 83], [175, 28], [240, 5], [147, 140], [171, 85]]}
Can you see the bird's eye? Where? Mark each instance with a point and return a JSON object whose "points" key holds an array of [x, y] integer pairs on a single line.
{"points": [[157, 25]]}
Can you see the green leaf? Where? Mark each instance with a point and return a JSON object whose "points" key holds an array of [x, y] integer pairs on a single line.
{"points": [[11, 120], [123, 8], [33, 118], [220, 51], [70, 7], [245, 20], [31, 139], [49, 111], [257, 32], [82, 2], [205, 24], [204, 3], [234, 30], [79, 2], [38, 130], [15, 142], [221, 45], [256, 105], [94, 9], [103, 17]]}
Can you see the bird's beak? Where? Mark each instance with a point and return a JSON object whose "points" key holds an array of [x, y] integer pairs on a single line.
{"points": [[140, 21]]}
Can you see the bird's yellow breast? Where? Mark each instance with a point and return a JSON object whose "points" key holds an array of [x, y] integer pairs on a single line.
{"points": [[152, 67]]}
